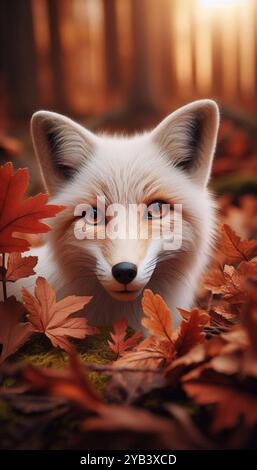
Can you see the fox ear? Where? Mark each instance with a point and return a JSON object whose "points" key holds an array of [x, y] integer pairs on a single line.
{"points": [[188, 137], [61, 146]]}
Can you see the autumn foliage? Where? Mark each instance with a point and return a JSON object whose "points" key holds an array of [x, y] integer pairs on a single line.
{"points": [[208, 364]]}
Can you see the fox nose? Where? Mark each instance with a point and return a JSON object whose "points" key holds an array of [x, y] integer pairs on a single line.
{"points": [[124, 272]]}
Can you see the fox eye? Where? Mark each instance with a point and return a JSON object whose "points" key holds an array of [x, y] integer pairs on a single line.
{"points": [[93, 216], [157, 210]]}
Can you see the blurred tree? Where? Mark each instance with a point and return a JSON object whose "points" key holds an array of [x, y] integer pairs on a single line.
{"points": [[18, 56], [111, 46]]}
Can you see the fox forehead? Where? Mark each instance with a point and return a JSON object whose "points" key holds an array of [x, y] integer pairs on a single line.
{"points": [[127, 171]]}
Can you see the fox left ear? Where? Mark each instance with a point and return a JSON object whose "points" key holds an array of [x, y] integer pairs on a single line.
{"points": [[188, 137], [61, 146]]}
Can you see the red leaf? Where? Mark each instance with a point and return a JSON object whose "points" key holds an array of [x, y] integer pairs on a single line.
{"points": [[18, 214], [118, 343], [190, 331], [19, 266]]}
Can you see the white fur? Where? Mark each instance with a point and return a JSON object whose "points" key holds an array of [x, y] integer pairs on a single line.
{"points": [[128, 170]]}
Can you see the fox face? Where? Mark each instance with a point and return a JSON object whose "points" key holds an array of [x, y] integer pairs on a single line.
{"points": [[125, 199]]}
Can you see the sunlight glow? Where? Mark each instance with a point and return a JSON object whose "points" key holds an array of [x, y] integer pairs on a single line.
{"points": [[220, 3]]}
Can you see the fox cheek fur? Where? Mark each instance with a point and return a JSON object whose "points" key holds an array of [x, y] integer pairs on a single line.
{"points": [[171, 163]]}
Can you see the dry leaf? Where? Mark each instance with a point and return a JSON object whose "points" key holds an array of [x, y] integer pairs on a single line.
{"points": [[190, 331], [234, 288], [214, 279], [235, 249], [152, 353], [54, 318], [158, 317]]}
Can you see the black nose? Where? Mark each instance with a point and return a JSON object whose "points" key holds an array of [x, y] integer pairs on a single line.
{"points": [[124, 272]]}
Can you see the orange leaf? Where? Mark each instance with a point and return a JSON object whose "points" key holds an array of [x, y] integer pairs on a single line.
{"points": [[54, 318], [151, 353], [18, 214], [118, 343], [13, 333], [235, 249], [234, 288], [19, 266], [190, 331], [214, 279], [159, 317]]}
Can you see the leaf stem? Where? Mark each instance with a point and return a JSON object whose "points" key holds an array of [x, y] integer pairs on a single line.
{"points": [[3, 278]]}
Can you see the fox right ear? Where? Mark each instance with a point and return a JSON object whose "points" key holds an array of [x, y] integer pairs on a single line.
{"points": [[188, 138], [61, 146]]}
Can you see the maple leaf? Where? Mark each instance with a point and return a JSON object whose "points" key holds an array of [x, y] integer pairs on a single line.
{"points": [[13, 332], [118, 343], [19, 267], [234, 288], [18, 214], [54, 318], [226, 311], [164, 345], [249, 270], [190, 331], [214, 279], [158, 319], [151, 353], [235, 249]]}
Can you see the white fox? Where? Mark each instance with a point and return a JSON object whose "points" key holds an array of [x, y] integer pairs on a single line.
{"points": [[169, 165]]}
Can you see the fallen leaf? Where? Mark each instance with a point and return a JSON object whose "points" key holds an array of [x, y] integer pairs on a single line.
{"points": [[235, 249], [54, 318], [214, 279], [226, 311], [127, 386], [119, 344], [151, 353], [190, 331], [164, 345], [18, 214], [158, 317], [234, 288], [19, 266], [13, 332]]}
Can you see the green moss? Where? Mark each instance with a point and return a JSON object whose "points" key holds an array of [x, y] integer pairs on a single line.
{"points": [[8, 382], [93, 349]]}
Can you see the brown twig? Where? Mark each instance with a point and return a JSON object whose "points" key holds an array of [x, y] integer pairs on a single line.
{"points": [[110, 368]]}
